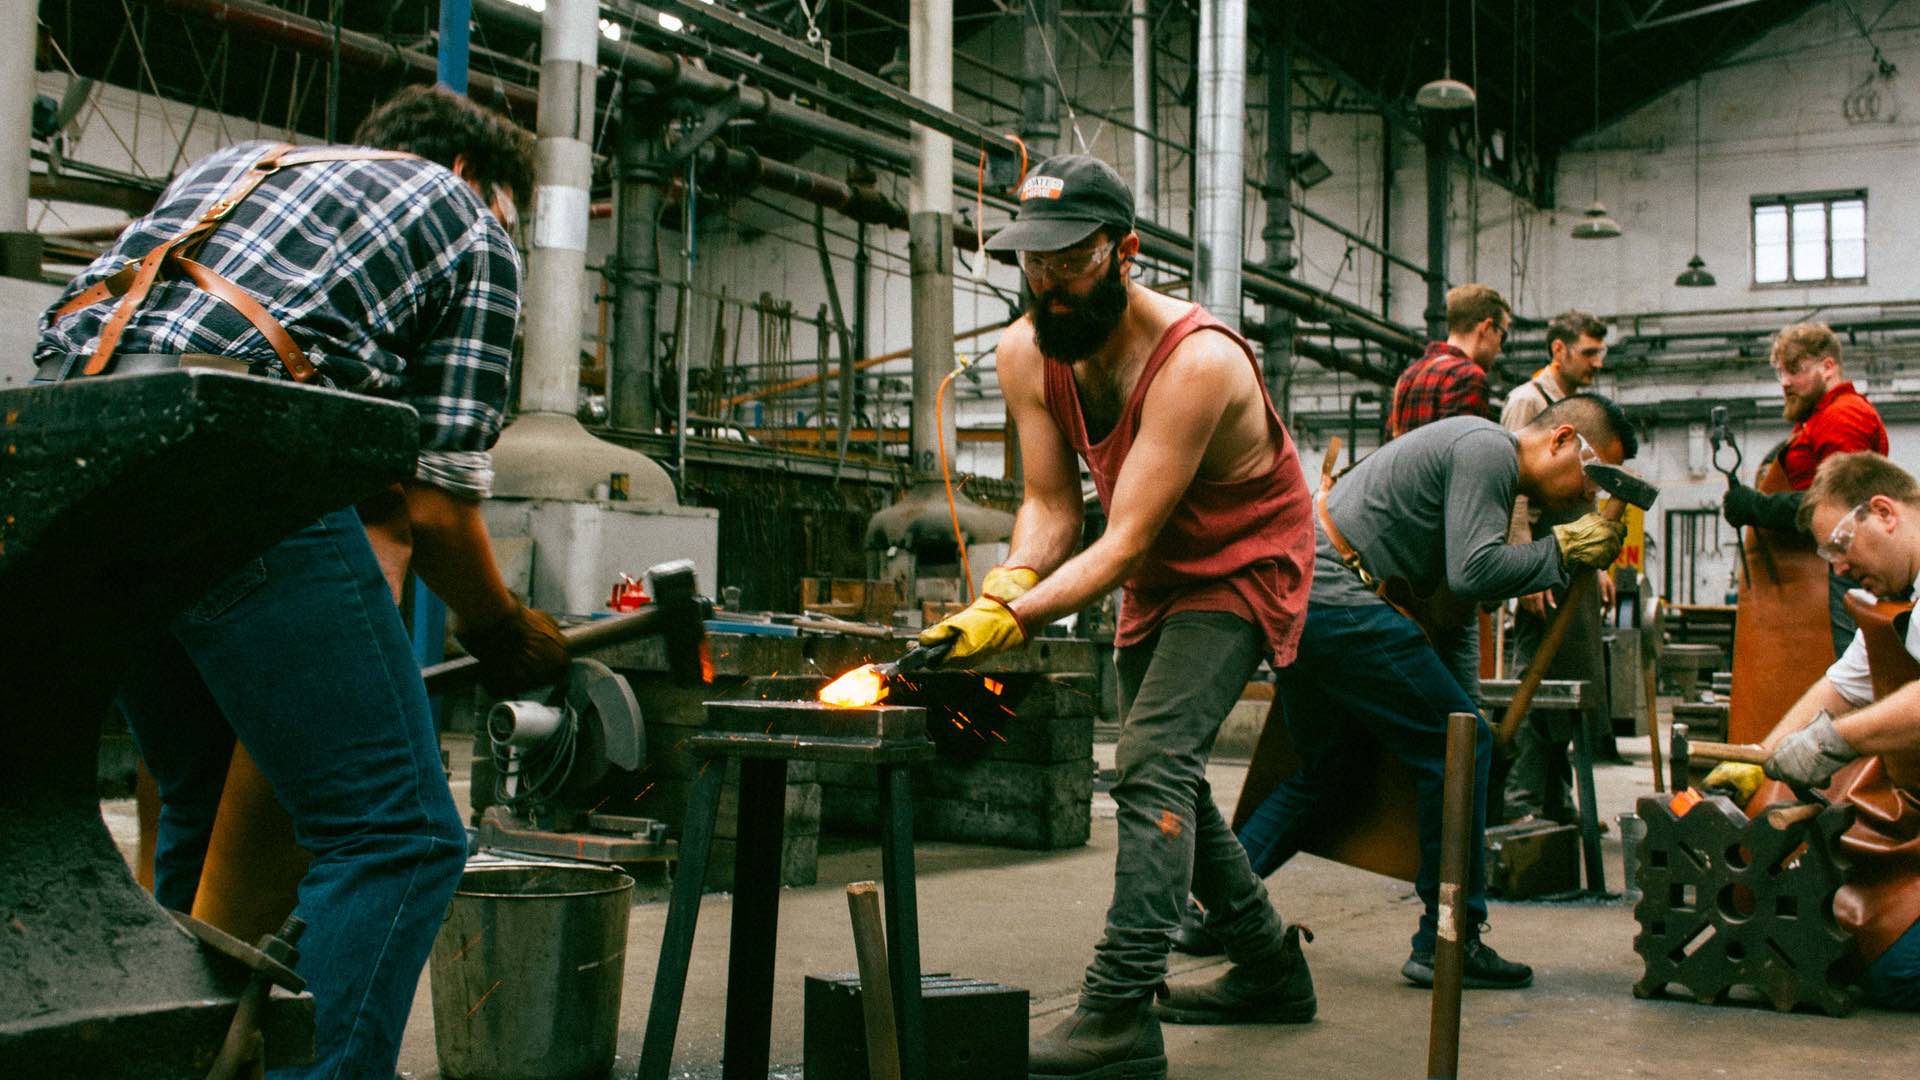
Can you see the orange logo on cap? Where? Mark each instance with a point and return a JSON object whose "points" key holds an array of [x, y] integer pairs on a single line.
{"points": [[1041, 187]]}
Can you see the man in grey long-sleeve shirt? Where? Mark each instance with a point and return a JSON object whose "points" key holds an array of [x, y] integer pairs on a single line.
{"points": [[1424, 519]]}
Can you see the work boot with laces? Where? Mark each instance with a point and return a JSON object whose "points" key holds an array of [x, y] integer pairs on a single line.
{"points": [[1277, 992], [1121, 1043], [1481, 969]]}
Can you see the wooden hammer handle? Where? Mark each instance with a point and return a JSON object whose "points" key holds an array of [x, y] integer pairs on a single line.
{"points": [[1747, 754], [1555, 635]]}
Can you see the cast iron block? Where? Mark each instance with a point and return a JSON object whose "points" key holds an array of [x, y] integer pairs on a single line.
{"points": [[122, 499], [1727, 902]]}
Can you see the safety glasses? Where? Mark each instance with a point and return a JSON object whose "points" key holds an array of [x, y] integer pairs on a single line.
{"points": [[1841, 538], [1064, 265]]}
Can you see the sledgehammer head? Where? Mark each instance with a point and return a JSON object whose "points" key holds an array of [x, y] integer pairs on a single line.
{"points": [[1623, 485]]}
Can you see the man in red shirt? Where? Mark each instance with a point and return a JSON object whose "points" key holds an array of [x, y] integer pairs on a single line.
{"points": [[1451, 379], [1209, 529], [1830, 417]]}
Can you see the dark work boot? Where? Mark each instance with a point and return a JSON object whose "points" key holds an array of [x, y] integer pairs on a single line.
{"points": [[1101, 1044], [1280, 992], [1481, 969], [1193, 937]]}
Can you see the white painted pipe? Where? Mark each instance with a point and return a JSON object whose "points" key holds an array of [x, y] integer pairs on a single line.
{"points": [[563, 171], [17, 37], [1218, 233], [1146, 179]]}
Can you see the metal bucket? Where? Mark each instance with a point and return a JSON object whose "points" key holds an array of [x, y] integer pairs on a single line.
{"points": [[527, 973]]}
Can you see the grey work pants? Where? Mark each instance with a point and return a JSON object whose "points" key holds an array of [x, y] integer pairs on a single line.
{"points": [[1176, 688]]}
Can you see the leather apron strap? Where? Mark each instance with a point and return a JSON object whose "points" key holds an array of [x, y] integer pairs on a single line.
{"points": [[171, 259]]}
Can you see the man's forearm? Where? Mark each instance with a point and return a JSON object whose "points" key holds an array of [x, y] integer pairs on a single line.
{"points": [[1078, 582], [1821, 695], [1889, 725], [1044, 537], [454, 556]]}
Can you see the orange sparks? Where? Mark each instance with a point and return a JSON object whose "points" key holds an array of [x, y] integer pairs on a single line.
{"points": [[994, 685], [1170, 823], [856, 689]]}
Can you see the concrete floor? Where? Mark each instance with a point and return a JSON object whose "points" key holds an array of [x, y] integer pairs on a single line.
{"points": [[1030, 919]]}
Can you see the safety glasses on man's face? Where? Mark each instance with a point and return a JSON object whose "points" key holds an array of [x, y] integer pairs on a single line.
{"points": [[1061, 266], [1841, 538]]}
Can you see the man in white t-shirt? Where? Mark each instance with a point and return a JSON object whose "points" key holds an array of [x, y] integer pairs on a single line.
{"points": [[1864, 511]]}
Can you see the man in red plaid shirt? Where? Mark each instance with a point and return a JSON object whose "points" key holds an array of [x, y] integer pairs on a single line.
{"points": [[1451, 379]]}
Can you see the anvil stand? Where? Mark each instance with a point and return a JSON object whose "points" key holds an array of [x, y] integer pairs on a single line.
{"points": [[765, 735]]}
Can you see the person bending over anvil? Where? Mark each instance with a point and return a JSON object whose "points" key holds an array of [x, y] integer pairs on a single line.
{"points": [[1208, 531], [384, 269], [1418, 531], [1866, 512]]}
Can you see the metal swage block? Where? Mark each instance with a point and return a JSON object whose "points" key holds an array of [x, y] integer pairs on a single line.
{"points": [[1727, 902]]}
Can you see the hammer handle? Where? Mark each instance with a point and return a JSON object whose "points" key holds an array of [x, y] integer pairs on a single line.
{"points": [[1719, 751], [1555, 635], [455, 674]]}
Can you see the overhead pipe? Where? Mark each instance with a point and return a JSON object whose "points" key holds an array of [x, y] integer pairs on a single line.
{"points": [[545, 454], [1146, 173], [1220, 179], [311, 37], [1439, 195], [1278, 235], [930, 227], [17, 39], [631, 401], [1039, 94]]}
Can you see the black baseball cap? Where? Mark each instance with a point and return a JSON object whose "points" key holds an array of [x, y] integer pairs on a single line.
{"points": [[1062, 201]]}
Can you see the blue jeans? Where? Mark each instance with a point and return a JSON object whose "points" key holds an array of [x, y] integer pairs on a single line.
{"points": [[1893, 982], [1176, 688], [1367, 677], [302, 656]]}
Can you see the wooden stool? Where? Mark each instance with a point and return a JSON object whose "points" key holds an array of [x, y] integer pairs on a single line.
{"points": [[765, 735]]}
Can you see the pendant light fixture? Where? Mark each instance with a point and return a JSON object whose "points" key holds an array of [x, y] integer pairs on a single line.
{"points": [[1596, 224], [1446, 93], [1695, 276]]}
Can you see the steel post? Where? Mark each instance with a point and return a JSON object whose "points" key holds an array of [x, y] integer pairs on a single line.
{"points": [[929, 225], [1220, 181], [1439, 194], [631, 402]]}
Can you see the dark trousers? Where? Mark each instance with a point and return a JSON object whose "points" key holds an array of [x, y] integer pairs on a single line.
{"points": [[1538, 780], [1176, 688], [1366, 677]]}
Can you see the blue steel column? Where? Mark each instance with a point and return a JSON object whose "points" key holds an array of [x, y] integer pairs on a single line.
{"points": [[455, 15]]}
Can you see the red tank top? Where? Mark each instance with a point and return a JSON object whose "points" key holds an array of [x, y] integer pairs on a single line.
{"points": [[1244, 547]]}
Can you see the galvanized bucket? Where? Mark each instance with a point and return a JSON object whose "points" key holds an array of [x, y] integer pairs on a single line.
{"points": [[527, 973]]}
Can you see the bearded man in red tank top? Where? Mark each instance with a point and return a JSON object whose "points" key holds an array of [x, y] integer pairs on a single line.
{"points": [[1209, 535]]}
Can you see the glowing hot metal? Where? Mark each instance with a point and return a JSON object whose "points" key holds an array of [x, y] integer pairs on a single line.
{"points": [[862, 686]]}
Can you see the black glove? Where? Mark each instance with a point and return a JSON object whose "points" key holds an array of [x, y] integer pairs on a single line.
{"points": [[1744, 506], [520, 652]]}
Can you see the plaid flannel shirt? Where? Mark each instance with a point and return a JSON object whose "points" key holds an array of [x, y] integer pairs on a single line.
{"points": [[391, 275], [1444, 382]]}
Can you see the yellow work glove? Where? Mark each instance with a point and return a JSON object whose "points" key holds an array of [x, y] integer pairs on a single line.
{"points": [[1590, 540], [1008, 582], [1742, 780], [986, 627]]}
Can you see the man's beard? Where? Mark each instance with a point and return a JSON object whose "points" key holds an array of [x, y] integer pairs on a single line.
{"points": [[1797, 409], [1088, 322]]}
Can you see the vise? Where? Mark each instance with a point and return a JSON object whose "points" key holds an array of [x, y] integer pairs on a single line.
{"points": [[123, 499]]}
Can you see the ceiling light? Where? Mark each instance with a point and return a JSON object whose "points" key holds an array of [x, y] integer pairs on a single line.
{"points": [[1597, 225], [1695, 276], [1446, 93]]}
